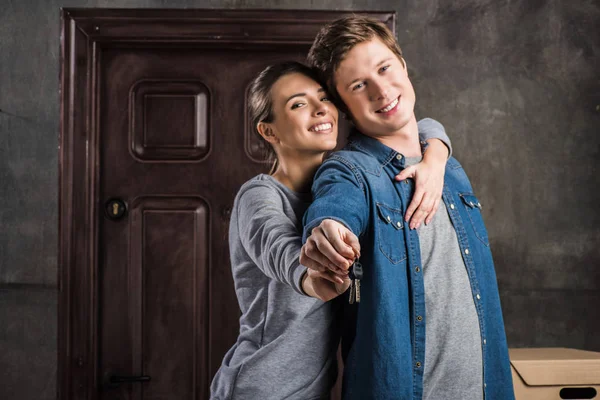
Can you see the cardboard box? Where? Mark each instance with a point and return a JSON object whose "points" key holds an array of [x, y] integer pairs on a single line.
{"points": [[555, 374]]}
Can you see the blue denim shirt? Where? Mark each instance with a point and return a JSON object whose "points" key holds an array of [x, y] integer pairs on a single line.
{"points": [[384, 342]]}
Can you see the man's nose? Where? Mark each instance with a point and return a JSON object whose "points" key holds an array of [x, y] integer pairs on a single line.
{"points": [[378, 91]]}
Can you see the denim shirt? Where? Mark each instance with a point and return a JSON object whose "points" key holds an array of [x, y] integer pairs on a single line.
{"points": [[384, 342]]}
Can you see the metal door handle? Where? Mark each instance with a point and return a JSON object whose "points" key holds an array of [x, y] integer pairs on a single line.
{"points": [[128, 379]]}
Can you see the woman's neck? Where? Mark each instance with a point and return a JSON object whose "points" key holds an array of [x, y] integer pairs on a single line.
{"points": [[297, 172]]}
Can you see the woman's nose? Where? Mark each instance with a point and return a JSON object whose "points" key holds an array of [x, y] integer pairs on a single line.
{"points": [[321, 109]]}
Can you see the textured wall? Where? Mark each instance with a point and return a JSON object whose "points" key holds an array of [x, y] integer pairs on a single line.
{"points": [[516, 83]]}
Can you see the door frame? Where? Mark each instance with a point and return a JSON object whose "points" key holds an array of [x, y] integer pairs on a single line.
{"points": [[84, 33]]}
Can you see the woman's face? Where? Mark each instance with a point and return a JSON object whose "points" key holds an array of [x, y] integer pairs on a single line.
{"points": [[305, 120]]}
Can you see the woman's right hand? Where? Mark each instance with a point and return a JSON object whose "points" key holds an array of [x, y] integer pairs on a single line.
{"points": [[324, 285]]}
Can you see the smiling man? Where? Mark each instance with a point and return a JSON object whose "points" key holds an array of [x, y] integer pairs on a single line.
{"points": [[429, 323]]}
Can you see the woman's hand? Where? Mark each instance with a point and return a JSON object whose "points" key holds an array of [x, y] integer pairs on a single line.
{"points": [[324, 286], [429, 184]]}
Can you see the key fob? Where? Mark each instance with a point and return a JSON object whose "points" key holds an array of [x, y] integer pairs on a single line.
{"points": [[356, 272]]}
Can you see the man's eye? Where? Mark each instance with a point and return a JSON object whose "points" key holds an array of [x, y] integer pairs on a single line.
{"points": [[358, 86]]}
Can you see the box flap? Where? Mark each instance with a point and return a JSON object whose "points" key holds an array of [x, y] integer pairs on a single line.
{"points": [[556, 366]]}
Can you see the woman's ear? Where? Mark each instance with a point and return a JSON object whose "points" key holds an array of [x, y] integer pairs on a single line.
{"points": [[266, 131]]}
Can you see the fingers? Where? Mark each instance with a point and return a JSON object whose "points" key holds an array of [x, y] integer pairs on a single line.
{"points": [[312, 258], [423, 211], [335, 234], [351, 240], [408, 172], [436, 206], [327, 275], [414, 204]]}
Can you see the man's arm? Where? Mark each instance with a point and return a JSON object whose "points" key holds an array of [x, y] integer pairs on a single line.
{"points": [[428, 174], [338, 214]]}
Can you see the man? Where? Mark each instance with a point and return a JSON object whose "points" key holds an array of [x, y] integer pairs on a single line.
{"points": [[429, 323]]}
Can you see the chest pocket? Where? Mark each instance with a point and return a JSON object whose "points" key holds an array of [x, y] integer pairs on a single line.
{"points": [[473, 207], [390, 233]]}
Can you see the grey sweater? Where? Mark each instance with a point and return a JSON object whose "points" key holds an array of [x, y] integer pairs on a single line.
{"points": [[287, 341]]}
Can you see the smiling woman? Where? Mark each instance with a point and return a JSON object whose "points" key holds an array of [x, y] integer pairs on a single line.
{"points": [[288, 333]]}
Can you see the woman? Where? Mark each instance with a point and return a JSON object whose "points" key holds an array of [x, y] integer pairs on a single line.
{"points": [[288, 335]]}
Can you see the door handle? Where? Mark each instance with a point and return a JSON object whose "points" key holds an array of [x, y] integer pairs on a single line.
{"points": [[117, 379]]}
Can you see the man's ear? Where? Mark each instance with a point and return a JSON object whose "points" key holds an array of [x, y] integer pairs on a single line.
{"points": [[266, 131]]}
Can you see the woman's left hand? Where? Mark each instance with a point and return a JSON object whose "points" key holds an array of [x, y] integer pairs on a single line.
{"points": [[429, 183]]}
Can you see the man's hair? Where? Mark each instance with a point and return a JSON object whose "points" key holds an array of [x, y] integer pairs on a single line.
{"points": [[335, 40]]}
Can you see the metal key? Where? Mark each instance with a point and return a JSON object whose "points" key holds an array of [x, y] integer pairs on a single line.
{"points": [[356, 273], [352, 292]]}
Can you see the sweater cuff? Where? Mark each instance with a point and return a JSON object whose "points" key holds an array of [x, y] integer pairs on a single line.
{"points": [[297, 279]]}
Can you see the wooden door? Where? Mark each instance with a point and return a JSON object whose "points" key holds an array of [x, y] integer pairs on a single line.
{"points": [[154, 146]]}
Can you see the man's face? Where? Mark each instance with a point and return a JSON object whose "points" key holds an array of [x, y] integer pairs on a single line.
{"points": [[374, 85]]}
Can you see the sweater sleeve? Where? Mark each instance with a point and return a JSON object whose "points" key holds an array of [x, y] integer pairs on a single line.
{"points": [[269, 236], [431, 129]]}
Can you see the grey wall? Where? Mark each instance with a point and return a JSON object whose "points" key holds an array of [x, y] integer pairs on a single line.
{"points": [[516, 83]]}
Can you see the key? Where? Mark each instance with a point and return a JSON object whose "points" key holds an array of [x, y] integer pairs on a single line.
{"points": [[356, 273]]}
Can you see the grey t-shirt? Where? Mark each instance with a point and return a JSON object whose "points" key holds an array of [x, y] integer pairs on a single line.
{"points": [[287, 341], [453, 357]]}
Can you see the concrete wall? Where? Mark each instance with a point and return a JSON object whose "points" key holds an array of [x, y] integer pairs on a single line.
{"points": [[514, 82]]}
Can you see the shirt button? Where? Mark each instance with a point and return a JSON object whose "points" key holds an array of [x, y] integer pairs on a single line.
{"points": [[471, 203], [478, 296], [406, 181], [484, 341], [417, 269], [399, 224], [452, 206], [466, 251], [479, 205], [399, 157], [389, 219], [419, 318], [418, 364], [484, 385]]}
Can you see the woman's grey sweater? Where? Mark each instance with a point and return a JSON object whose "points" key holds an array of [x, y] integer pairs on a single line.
{"points": [[287, 341]]}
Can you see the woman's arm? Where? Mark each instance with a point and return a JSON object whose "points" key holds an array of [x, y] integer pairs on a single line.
{"points": [[428, 174]]}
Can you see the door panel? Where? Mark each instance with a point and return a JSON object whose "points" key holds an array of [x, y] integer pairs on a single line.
{"points": [[155, 143]]}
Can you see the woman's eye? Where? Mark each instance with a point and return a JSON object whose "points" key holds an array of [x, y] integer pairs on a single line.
{"points": [[325, 99], [384, 68], [296, 105]]}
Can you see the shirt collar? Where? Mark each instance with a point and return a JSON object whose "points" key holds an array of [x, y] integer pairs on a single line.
{"points": [[375, 148]]}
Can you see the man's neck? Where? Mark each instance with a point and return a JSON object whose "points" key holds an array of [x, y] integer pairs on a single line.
{"points": [[404, 140]]}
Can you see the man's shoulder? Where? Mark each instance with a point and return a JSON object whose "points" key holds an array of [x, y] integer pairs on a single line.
{"points": [[353, 157]]}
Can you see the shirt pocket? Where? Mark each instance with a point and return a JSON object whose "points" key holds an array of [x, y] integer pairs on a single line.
{"points": [[390, 233], [473, 207]]}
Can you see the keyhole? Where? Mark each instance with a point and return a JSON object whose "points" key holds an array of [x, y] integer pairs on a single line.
{"points": [[115, 208]]}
